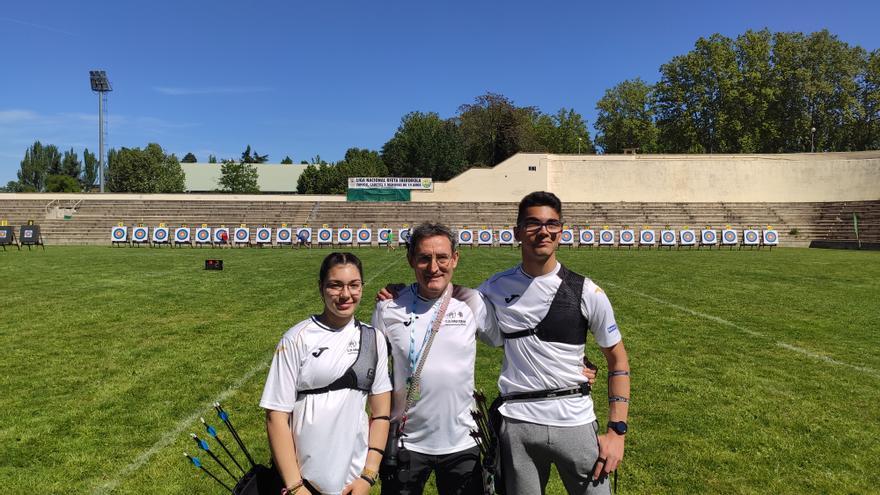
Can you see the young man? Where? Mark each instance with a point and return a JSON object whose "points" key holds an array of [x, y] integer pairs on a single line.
{"points": [[438, 423], [544, 311]]}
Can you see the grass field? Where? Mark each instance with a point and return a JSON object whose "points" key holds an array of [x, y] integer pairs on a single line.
{"points": [[753, 372]]}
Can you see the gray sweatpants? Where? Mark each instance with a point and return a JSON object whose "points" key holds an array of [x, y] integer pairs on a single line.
{"points": [[528, 449]]}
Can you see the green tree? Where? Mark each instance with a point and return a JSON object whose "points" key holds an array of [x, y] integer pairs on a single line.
{"points": [[425, 146], [247, 157], [212, 159], [308, 181], [90, 170], [756, 92], [189, 158], [70, 164], [493, 129], [62, 183], [150, 170], [625, 118], [239, 177], [867, 133], [39, 161], [287, 161], [564, 132], [12, 186]]}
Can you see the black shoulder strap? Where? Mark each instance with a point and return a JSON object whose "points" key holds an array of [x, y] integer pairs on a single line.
{"points": [[362, 372], [564, 321]]}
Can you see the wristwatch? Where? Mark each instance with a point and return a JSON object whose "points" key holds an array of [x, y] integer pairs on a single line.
{"points": [[619, 427]]}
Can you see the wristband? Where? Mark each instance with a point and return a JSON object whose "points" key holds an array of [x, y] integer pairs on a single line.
{"points": [[380, 451], [290, 490], [618, 398], [618, 373], [369, 476]]}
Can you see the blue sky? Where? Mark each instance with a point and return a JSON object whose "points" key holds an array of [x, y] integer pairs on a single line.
{"points": [[307, 78]]}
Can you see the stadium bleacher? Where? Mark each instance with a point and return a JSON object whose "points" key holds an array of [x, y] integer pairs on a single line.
{"points": [[90, 222]]}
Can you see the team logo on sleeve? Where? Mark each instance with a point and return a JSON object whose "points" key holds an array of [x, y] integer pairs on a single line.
{"points": [[319, 351], [612, 328], [510, 298]]}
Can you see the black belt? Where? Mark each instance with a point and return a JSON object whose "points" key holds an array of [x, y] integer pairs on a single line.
{"points": [[553, 393], [520, 334]]}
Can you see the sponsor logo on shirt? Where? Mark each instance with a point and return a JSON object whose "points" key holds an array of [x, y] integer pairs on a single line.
{"points": [[319, 351], [353, 347], [510, 298], [454, 320], [612, 328]]}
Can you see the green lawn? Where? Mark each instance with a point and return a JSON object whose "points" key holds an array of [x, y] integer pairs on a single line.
{"points": [[753, 372]]}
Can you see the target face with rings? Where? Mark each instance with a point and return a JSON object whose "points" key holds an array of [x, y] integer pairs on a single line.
{"points": [[485, 236], [264, 234], [567, 236], [160, 234], [709, 236], [626, 236], [506, 236], [384, 235], [668, 237], [344, 235], [284, 234], [647, 237], [241, 235], [587, 237], [203, 235], [465, 236], [729, 236], [140, 234], [607, 236], [305, 233], [751, 236], [770, 237], [364, 235], [404, 235], [118, 233], [687, 236], [324, 235], [181, 234]]}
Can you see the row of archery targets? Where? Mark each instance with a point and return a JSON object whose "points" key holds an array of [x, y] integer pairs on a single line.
{"points": [[243, 236]]}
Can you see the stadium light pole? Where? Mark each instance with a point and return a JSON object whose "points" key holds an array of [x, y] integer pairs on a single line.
{"points": [[101, 85], [812, 135]]}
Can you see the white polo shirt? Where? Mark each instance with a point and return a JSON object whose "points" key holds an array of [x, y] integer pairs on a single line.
{"points": [[520, 302], [440, 421], [330, 430]]}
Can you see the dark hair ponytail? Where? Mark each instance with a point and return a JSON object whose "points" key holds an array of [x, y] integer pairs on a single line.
{"points": [[334, 259]]}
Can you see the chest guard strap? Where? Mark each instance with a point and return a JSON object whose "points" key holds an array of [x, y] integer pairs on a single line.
{"points": [[362, 372], [564, 322]]}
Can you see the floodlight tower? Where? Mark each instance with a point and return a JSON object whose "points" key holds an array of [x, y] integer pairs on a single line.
{"points": [[100, 85]]}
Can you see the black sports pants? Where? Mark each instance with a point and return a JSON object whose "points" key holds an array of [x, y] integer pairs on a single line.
{"points": [[458, 473]]}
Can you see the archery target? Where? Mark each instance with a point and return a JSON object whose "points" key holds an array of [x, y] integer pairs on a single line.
{"points": [[484, 237], [140, 234], [729, 237], [325, 236], [218, 234], [606, 237], [770, 238], [587, 237], [203, 235], [566, 237], [343, 236], [751, 237], [242, 235], [181, 235], [305, 232], [264, 235], [465, 237], [283, 235], [688, 238], [119, 234], [29, 235], [160, 235], [365, 236], [708, 236], [647, 237], [384, 235], [667, 238], [403, 236], [627, 237], [505, 237]]}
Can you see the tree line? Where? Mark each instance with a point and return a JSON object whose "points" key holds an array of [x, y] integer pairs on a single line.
{"points": [[760, 92]]}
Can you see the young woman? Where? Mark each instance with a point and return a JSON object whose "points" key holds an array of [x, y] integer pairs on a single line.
{"points": [[324, 370]]}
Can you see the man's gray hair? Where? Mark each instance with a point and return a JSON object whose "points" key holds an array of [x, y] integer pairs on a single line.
{"points": [[429, 229]]}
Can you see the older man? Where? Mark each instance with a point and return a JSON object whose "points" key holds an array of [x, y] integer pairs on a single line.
{"points": [[438, 422]]}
